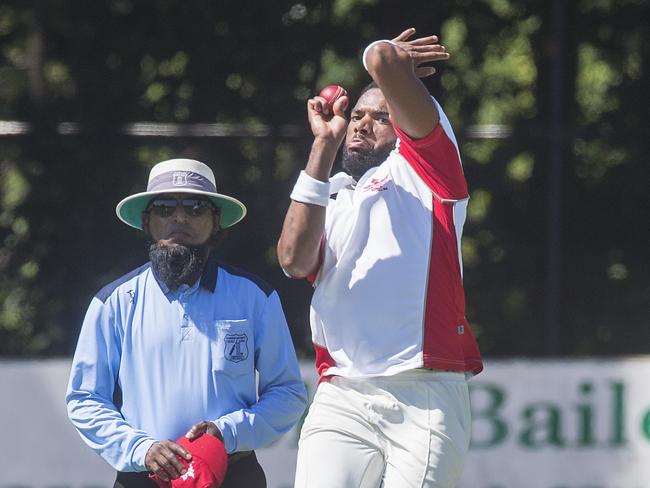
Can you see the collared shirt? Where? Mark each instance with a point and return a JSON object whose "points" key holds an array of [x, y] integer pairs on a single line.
{"points": [[388, 293], [150, 363]]}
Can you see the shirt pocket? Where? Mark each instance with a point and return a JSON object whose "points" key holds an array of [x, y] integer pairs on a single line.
{"points": [[233, 349]]}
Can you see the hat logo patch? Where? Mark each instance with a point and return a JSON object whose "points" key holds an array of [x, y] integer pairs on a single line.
{"points": [[179, 178], [236, 347]]}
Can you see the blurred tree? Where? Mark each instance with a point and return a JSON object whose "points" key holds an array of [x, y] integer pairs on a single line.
{"points": [[252, 65]]}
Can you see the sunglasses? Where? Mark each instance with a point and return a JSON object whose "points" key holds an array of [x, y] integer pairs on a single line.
{"points": [[194, 207]]}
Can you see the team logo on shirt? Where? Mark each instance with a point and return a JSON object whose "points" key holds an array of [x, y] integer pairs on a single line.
{"points": [[376, 185], [236, 347]]}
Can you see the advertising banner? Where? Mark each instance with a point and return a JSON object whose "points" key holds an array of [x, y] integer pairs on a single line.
{"points": [[536, 424], [560, 424]]}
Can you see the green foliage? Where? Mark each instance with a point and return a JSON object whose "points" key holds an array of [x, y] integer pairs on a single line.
{"points": [[103, 65]]}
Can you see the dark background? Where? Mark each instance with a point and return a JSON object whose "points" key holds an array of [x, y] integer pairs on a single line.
{"points": [[549, 100]]}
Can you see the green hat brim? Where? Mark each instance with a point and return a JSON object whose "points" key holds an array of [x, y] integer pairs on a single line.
{"points": [[130, 209]]}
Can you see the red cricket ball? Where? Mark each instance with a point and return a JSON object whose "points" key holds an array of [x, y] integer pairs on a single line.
{"points": [[331, 93]]}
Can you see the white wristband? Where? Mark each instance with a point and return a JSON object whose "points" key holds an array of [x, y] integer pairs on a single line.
{"points": [[365, 52], [311, 190]]}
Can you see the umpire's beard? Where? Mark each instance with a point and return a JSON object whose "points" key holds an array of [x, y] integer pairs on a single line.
{"points": [[175, 264]]}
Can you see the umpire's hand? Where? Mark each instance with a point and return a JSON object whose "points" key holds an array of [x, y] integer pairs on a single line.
{"points": [[162, 460], [204, 427]]}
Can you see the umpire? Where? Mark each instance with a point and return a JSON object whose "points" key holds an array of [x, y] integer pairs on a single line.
{"points": [[172, 348]]}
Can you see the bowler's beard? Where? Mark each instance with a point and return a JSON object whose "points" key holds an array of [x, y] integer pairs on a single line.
{"points": [[358, 162], [177, 264]]}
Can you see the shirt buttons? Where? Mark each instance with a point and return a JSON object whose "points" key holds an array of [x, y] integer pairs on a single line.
{"points": [[186, 328]]}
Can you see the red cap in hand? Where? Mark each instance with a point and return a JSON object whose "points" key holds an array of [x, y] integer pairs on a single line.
{"points": [[208, 466]]}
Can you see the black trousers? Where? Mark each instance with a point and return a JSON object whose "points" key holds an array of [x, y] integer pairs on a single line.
{"points": [[245, 472]]}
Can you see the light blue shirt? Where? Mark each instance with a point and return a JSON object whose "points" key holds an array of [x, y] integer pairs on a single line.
{"points": [[151, 363]]}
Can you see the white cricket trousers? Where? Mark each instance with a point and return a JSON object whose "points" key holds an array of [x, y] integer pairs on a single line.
{"points": [[402, 431]]}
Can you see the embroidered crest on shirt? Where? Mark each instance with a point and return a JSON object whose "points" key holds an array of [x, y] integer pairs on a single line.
{"points": [[376, 185], [236, 347]]}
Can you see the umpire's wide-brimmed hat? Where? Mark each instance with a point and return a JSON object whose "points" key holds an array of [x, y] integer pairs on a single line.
{"points": [[180, 176]]}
